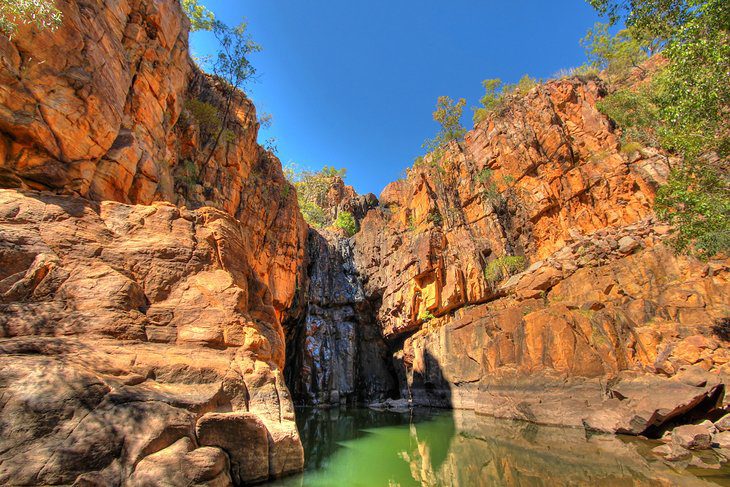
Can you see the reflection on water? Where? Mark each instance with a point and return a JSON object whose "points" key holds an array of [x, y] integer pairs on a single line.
{"points": [[361, 447]]}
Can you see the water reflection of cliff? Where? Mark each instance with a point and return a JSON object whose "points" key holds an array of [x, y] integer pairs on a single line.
{"points": [[461, 449]]}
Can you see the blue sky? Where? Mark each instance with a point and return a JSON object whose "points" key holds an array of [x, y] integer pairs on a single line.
{"points": [[353, 84]]}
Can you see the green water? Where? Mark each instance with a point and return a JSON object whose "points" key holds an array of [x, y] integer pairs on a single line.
{"points": [[361, 447]]}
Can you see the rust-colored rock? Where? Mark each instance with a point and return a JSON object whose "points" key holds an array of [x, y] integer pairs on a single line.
{"points": [[601, 294]]}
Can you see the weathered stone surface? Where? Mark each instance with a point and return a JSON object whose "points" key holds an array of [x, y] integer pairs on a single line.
{"points": [[601, 299], [182, 464], [721, 439], [243, 436], [119, 325], [673, 452], [692, 437], [723, 424], [336, 354]]}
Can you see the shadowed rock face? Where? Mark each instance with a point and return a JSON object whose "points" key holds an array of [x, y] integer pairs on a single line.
{"points": [[336, 354]]}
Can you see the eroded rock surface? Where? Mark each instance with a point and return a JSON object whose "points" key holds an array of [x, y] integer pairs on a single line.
{"points": [[123, 329], [597, 297], [144, 270]]}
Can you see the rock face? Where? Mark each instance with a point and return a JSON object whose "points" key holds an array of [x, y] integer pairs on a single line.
{"points": [[124, 328], [336, 353], [594, 299], [144, 270]]}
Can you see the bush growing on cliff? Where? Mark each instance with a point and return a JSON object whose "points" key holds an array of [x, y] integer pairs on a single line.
{"points": [[685, 109], [312, 188], [41, 13], [313, 214], [426, 316], [615, 55], [231, 66], [696, 200], [347, 222], [448, 115], [503, 267], [205, 114], [497, 92]]}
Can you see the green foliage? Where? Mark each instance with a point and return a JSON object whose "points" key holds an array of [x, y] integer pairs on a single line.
{"points": [[200, 17], [615, 55], [491, 99], [503, 267], [484, 176], [434, 216], [313, 214], [485, 179], [497, 92], [653, 21], [696, 200], [187, 173], [347, 222], [636, 112], [312, 188], [42, 13], [448, 115], [693, 90], [411, 223], [426, 316], [685, 109], [206, 115], [231, 63], [631, 147]]}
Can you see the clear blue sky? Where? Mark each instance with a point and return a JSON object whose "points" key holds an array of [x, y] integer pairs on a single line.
{"points": [[353, 83]]}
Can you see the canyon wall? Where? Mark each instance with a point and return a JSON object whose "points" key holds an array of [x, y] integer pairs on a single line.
{"points": [[144, 271], [592, 300], [594, 308]]}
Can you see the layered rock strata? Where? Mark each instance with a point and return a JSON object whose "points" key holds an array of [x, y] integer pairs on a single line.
{"points": [[543, 190], [595, 309]]}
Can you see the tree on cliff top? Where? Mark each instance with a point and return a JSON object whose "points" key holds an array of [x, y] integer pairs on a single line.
{"points": [[448, 115], [200, 17], [231, 66], [42, 13]]}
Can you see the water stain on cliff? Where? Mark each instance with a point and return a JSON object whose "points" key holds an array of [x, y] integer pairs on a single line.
{"points": [[335, 352]]}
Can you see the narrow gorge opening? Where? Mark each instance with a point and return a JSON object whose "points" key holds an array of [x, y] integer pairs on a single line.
{"points": [[336, 354]]}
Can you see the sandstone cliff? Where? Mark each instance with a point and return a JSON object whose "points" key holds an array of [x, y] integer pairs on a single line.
{"points": [[594, 307], [142, 282]]}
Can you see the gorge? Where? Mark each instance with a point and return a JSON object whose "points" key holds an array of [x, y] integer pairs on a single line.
{"points": [[164, 304]]}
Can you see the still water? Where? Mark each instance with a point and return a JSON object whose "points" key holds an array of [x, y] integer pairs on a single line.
{"points": [[362, 447]]}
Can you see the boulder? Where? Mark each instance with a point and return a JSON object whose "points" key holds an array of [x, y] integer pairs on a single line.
{"points": [[627, 244], [721, 439], [723, 424], [692, 437], [182, 464], [244, 437]]}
